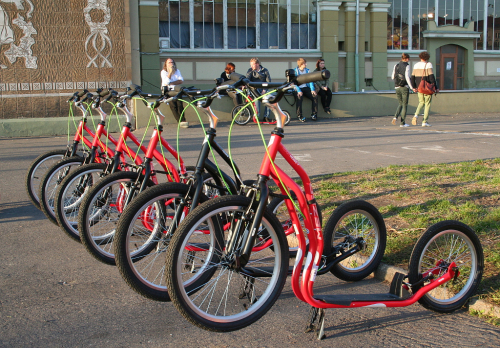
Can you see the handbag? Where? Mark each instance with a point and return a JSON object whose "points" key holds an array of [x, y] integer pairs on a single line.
{"points": [[425, 87]]}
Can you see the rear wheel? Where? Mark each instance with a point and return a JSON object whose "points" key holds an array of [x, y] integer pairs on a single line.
{"points": [[348, 222], [203, 277], [242, 114], [70, 194], [37, 170], [442, 244], [48, 186]]}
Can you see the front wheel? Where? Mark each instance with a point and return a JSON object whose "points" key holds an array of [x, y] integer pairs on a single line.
{"points": [[53, 177], [70, 194], [242, 114], [287, 114], [348, 222], [206, 282], [37, 170], [444, 243]]}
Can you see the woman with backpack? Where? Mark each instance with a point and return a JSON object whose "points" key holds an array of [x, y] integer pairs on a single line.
{"points": [[423, 71], [402, 82]]}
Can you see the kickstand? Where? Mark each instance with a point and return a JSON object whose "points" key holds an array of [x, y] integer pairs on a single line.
{"points": [[311, 327]]}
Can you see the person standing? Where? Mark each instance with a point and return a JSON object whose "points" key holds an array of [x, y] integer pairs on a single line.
{"points": [[423, 70], [402, 82], [305, 90], [235, 96], [323, 88], [170, 77], [257, 73]]}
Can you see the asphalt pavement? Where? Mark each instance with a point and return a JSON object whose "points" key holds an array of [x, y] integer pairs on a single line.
{"points": [[53, 294]]}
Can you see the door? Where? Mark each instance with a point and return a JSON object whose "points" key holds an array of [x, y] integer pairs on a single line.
{"points": [[450, 67]]}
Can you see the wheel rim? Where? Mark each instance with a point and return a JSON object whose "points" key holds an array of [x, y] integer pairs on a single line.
{"points": [[227, 295], [147, 241], [241, 116], [281, 213], [449, 246], [73, 196], [39, 171], [354, 224], [53, 182], [103, 214]]}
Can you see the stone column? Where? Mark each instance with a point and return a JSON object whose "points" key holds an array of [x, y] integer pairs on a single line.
{"points": [[149, 37], [329, 25], [378, 39], [350, 44]]}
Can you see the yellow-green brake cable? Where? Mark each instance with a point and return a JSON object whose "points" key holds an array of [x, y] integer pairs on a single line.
{"points": [[263, 141], [190, 103]]}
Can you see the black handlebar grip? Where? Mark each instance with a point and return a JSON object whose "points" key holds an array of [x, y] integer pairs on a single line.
{"points": [[236, 77], [103, 93], [311, 77], [82, 93]]}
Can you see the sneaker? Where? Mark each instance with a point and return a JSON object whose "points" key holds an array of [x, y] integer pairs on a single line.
{"points": [[266, 120], [414, 120], [394, 120], [184, 125], [425, 124], [329, 112], [302, 119], [405, 125], [314, 117]]}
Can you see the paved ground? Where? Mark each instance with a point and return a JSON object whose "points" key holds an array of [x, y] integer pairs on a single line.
{"points": [[53, 294]]}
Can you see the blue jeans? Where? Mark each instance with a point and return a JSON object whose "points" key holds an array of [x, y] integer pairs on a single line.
{"points": [[266, 110]]}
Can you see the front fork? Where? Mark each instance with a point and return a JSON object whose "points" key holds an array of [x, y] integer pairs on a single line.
{"points": [[247, 236]]}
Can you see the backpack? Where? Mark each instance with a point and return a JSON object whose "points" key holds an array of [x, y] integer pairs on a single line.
{"points": [[399, 75]]}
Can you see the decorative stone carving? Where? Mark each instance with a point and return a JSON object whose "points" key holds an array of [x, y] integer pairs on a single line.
{"points": [[98, 45], [7, 35]]}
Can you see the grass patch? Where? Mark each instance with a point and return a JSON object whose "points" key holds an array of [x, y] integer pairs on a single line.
{"points": [[412, 198]]}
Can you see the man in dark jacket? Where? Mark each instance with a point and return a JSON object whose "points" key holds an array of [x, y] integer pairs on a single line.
{"points": [[257, 73]]}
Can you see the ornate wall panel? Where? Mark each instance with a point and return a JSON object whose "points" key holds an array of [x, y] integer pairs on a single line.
{"points": [[52, 47]]}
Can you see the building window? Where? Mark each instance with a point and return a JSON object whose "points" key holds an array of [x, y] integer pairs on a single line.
{"points": [[407, 19], [238, 24]]}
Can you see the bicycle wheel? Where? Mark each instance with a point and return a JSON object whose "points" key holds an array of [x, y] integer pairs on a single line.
{"points": [[444, 243], [243, 117], [37, 170], [205, 282], [349, 221], [287, 114], [70, 194], [100, 211], [48, 186], [279, 209], [143, 235]]}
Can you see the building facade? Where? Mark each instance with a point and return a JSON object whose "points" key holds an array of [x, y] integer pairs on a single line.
{"points": [[50, 48]]}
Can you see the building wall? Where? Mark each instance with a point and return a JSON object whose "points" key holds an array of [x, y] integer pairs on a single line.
{"points": [[55, 47]]}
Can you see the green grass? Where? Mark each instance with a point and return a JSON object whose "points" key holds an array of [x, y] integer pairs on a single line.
{"points": [[412, 198]]}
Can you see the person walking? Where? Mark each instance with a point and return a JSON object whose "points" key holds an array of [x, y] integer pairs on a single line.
{"points": [[170, 77], [323, 88], [257, 73], [402, 82], [235, 96], [423, 70], [305, 90]]}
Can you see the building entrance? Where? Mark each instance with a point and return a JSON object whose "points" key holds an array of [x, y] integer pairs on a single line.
{"points": [[450, 67]]}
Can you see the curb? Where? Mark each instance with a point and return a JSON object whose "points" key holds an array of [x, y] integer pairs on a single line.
{"points": [[386, 273]]}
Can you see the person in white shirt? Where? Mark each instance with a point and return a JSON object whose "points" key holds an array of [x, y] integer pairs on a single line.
{"points": [[171, 76], [402, 82]]}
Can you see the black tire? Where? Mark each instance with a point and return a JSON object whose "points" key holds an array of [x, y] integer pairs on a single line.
{"points": [[36, 172], [142, 237], [279, 209], [288, 118], [100, 211], [70, 194], [443, 243], [48, 186], [243, 117], [349, 221], [233, 300]]}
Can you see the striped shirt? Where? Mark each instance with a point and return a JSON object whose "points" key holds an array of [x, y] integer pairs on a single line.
{"points": [[425, 69]]}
